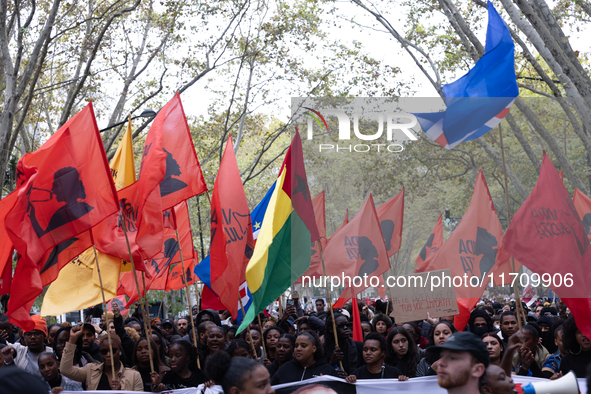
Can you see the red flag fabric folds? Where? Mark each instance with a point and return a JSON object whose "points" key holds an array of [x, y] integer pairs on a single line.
{"points": [[231, 232], [170, 134], [64, 189], [357, 330], [316, 270], [358, 250], [583, 207], [472, 250], [432, 246], [391, 215], [547, 236]]}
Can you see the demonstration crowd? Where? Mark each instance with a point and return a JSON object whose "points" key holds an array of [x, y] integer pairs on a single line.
{"points": [[294, 347]]}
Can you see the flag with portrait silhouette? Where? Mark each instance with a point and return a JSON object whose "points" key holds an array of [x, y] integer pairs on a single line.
{"points": [[583, 206], [473, 249], [170, 134], [64, 189], [358, 250], [391, 214], [548, 237], [432, 246], [231, 243]]}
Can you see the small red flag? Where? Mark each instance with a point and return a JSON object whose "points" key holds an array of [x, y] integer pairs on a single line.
{"points": [[357, 330], [472, 250], [358, 251], [391, 215], [170, 134], [583, 207], [64, 189], [547, 236], [432, 246], [231, 232]]}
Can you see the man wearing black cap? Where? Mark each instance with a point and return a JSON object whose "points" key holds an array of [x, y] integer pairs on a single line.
{"points": [[463, 362], [168, 329]]}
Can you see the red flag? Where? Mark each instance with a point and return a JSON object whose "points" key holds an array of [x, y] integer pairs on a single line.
{"points": [[6, 278], [358, 250], [210, 301], [357, 330], [170, 134], [547, 236], [391, 215], [6, 247], [64, 189], [231, 232], [316, 270], [472, 250], [583, 207], [432, 246], [121, 301]]}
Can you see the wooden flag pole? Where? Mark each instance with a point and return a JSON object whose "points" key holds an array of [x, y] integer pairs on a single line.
{"points": [[147, 305], [98, 269], [247, 328], [262, 339], [137, 285], [518, 305], [280, 310], [178, 240], [334, 325]]}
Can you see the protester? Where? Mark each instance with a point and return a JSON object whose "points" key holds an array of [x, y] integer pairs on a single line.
{"points": [[401, 352], [16, 380], [88, 341], [495, 347], [52, 329], [462, 363], [27, 356], [270, 336], [509, 325], [381, 324], [256, 339], [6, 332], [141, 362], [349, 352], [531, 359], [238, 375], [480, 322], [169, 329], [284, 350], [239, 348], [320, 305], [366, 327], [59, 344], [183, 325], [216, 339], [496, 381], [126, 336], [308, 362], [438, 334], [415, 332], [99, 376], [56, 382], [546, 324], [202, 335], [374, 351], [161, 345], [183, 369], [579, 347], [208, 315]]}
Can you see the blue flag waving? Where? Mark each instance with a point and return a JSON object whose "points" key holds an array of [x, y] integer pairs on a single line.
{"points": [[204, 268], [479, 100]]}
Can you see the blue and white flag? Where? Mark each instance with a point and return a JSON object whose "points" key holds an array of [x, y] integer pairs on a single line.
{"points": [[204, 268], [479, 100]]}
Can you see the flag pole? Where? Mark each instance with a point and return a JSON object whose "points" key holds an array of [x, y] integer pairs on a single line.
{"points": [[248, 329], [200, 229], [263, 339], [280, 309], [147, 305], [334, 325], [98, 269], [178, 240], [137, 285], [518, 305]]}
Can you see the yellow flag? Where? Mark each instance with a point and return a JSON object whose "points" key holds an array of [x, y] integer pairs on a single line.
{"points": [[122, 165], [77, 285]]}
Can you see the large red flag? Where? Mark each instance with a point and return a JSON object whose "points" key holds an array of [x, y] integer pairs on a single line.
{"points": [[231, 232], [6, 246], [357, 329], [358, 250], [170, 134], [316, 270], [391, 215], [472, 250], [64, 189], [547, 236], [583, 207], [432, 246]]}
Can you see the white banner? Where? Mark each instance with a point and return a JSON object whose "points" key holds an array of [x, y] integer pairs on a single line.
{"points": [[329, 385]]}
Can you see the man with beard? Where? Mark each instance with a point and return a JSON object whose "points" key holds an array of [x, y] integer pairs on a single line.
{"points": [[182, 325], [463, 363], [27, 357], [88, 344]]}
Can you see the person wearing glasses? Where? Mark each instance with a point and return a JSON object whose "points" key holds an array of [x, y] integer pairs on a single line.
{"points": [[27, 356], [100, 376], [349, 352]]}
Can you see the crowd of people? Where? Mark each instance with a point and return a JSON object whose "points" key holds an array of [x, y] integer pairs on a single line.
{"points": [[157, 355]]}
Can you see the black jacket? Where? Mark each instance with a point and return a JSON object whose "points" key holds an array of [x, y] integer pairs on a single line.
{"points": [[294, 372], [93, 350]]}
